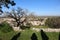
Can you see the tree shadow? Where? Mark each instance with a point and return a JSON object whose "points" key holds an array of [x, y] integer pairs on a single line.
{"points": [[44, 36], [0, 38], [34, 37], [15, 37], [59, 36]]}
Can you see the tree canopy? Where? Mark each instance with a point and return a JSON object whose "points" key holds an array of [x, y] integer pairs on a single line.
{"points": [[6, 3]]}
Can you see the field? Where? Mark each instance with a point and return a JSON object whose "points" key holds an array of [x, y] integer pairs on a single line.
{"points": [[27, 34], [39, 27]]}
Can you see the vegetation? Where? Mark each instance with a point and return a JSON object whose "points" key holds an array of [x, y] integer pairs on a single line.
{"points": [[6, 3], [26, 35], [53, 22], [5, 27], [39, 27], [27, 26], [19, 16], [7, 33]]}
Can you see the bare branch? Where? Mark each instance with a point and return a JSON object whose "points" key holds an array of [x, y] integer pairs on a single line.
{"points": [[17, 15]]}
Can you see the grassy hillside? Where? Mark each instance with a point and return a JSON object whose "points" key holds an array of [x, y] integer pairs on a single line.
{"points": [[27, 34]]}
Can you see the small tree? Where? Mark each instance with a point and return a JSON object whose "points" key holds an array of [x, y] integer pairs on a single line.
{"points": [[32, 15], [19, 16]]}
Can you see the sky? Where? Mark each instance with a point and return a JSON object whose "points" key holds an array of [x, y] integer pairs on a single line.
{"points": [[40, 7]]}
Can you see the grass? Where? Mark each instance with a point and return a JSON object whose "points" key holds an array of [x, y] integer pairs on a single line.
{"points": [[40, 27], [7, 36], [26, 35]]}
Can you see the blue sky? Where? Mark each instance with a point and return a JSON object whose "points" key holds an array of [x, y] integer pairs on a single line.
{"points": [[40, 7]]}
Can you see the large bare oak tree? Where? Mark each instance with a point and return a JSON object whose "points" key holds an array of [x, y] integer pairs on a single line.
{"points": [[19, 16]]}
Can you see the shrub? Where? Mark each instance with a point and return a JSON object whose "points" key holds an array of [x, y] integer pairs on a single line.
{"points": [[5, 27], [27, 26], [53, 22], [22, 27]]}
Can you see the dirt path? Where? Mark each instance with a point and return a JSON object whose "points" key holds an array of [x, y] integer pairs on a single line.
{"points": [[38, 29], [46, 29]]}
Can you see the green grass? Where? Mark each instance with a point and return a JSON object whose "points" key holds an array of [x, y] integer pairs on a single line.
{"points": [[7, 36], [39, 27], [26, 35]]}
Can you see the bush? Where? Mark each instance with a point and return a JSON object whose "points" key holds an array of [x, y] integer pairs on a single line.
{"points": [[53, 22], [22, 27], [27, 26], [5, 27]]}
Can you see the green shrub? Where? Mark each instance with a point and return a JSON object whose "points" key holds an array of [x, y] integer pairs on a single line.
{"points": [[22, 27], [27, 26], [5, 27]]}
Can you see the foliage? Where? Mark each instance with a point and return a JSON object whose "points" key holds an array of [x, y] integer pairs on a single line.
{"points": [[53, 22], [6, 3], [5, 27], [28, 25], [23, 27]]}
